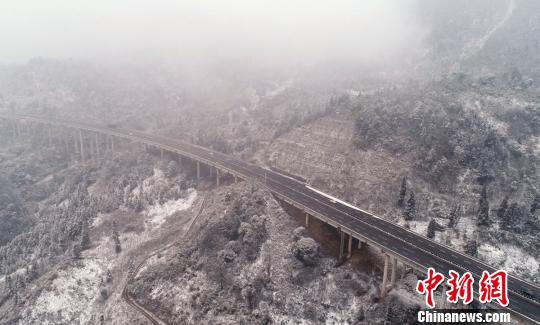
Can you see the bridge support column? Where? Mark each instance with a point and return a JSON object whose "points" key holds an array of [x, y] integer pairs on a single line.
{"points": [[91, 156], [394, 272], [82, 145], [161, 154], [341, 245], [385, 276], [349, 249], [76, 142], [96, 140], [198, 170], [217, 176], [307, 219], [235, 179], [65, 140]]}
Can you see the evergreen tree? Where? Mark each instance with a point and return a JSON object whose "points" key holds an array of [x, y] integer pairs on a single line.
{"points": [[410, 208], [431, 229], [32, 272], [471, 248], [116, 239], [514, 218], [402, 192], [502, 208], [9, 290], [76, 251], [85, 237], [483, 208], [454, 216]]}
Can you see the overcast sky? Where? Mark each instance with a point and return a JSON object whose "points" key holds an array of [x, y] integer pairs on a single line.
{"points": [[302, 30]]}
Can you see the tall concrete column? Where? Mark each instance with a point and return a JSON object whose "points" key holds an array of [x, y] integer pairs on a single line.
{"points": [[385, 276], [76, 142], [198, 170], [349, 252], [112, 144], [217, 176], [96, 140], [161, 154], [91, 151], [235, 179], [82, 145], [307, 219], [394, 271], [341, 244]]}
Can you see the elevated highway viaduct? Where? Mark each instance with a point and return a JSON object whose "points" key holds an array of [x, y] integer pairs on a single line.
{"points": [[397, 243]]}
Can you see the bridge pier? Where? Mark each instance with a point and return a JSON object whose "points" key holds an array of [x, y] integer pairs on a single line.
{"points": [[217, 176], [161, 154], [341, 245], [384, 286], [91, 157], [349, 253], [385, 276], [394, 272], [82, 145], [96, 140], [307, 219], [198, 170]]}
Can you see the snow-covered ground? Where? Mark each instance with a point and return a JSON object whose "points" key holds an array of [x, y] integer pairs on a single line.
{"points": [[509, 258], [70, 296], [157, 213], [75, 294]]}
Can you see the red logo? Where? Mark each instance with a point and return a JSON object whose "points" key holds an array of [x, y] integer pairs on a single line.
{"points": [[460, 287], [429, 285], [494, 287], [491, 287]]}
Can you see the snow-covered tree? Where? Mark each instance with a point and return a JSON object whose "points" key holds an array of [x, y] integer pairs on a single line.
{"points": [[482, 218], [402, 192], [410, 208]]}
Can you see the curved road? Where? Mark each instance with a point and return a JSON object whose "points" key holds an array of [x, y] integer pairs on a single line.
{"points": [[413, 249]]}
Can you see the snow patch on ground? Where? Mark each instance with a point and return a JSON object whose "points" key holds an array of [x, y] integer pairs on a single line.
{"points": [[159, 212], [157, 179], [419, 227], [98, 220], [510, 258], [66, 301], [518, 262]]}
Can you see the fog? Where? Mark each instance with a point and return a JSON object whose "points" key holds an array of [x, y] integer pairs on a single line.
{"points": [[202, 31]]}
